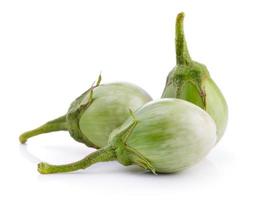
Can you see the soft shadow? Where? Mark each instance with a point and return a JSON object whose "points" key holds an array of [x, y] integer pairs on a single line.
{"points": [[117, 177], [203, 168], [23, 148]]}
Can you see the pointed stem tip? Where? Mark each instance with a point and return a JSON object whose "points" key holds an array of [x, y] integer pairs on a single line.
{"points": [[180, 16], [182, 54]]}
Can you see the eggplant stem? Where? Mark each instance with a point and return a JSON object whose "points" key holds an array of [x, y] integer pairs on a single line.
{"points": [[58, 124], [182, 54], [101, 155]]}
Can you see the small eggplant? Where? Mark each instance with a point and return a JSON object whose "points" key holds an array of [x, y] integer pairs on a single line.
{"points": [[190, 80], [93, 115]]}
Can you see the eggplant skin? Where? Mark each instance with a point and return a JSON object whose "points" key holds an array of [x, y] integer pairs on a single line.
{"points": [[216, 106], [171, 135], [108, 109]]}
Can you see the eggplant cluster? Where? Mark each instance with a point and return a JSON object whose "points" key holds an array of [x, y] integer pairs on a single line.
{"points": [[123, 123]]}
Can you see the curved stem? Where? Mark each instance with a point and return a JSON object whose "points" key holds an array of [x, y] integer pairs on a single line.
{"points": [[101, 155], [182, 54], [58, 124]]}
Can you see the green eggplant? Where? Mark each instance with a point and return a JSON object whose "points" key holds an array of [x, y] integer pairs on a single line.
{"points": [[190, 80], [93, 115]]}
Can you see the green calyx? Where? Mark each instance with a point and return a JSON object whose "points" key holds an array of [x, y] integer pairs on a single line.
{"points": [[77, 109], [191, 81], [117, 149], [126, 154], [188, 83], [68, 122], [185, 80], [187, 77]]}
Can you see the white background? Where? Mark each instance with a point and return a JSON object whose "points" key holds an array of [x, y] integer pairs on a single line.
{"points": [[51, 51]]}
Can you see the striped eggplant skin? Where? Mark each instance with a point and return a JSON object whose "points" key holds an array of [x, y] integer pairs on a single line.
{"points": [[169, 135], [109, 109], [191, 81]]}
